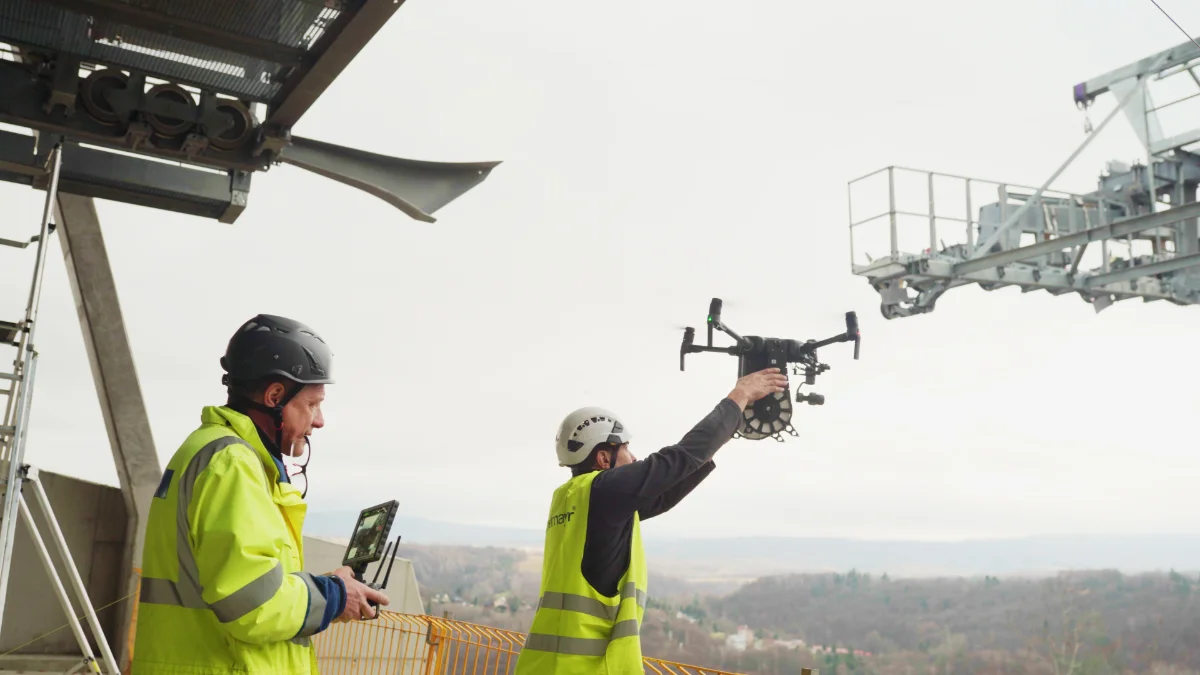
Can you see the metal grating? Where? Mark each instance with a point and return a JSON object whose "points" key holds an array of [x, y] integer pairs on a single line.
{"points": [[291, 23], [294, 23]]}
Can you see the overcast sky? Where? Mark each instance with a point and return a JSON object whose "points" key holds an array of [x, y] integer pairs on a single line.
{"points": [[657, 155]]}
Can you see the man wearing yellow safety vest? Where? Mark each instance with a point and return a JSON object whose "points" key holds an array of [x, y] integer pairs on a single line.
{"points": [[223, 587], [593, 590]]}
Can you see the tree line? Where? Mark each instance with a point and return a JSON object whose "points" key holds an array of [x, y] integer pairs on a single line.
{"points": [[851, 623]]}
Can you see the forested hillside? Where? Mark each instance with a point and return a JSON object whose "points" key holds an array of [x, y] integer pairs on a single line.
{"points": [[1082, 623]]}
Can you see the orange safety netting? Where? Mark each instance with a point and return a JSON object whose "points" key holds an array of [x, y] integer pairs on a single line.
{"points": [[410, 644]]}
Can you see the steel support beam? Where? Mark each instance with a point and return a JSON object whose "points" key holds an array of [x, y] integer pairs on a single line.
{"points": [[89, 172], [337, 48], [1147, 270], [117, 387], [1151, 65], [1056, 282], [1115, 230]]}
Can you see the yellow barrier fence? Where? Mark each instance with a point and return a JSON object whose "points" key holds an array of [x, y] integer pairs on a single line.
{"points": [[410, 644]]}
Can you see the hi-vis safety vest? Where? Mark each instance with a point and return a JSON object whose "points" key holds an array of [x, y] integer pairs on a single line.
{"points": [[576, 630], [222, 587]]}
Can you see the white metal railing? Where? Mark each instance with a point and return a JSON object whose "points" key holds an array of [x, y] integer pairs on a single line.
{"points": [[899, 213]]}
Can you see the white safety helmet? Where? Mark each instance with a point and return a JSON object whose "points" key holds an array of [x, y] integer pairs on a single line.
{"points": [[583, 430]]}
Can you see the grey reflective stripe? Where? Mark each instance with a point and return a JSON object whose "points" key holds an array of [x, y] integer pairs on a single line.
{"points": [[187, 592], [543, 642], [249, 597], [316, 606], [166, 592], [302, 641], [189, 573], [631, 590], [591, 606], [624, 629], [573, 646], [578, 603]]}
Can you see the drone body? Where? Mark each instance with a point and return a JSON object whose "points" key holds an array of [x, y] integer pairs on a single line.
{"points": [[770, 416]]}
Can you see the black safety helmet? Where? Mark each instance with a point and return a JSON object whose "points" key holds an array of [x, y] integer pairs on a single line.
{"points": [[274, 345], [270, 346]]}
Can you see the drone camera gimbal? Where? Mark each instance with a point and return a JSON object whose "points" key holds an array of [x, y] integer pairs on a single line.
{"points": [[770, 415]]}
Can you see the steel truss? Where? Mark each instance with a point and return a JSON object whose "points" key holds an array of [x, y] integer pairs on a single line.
{"points": [[1135, 236]]}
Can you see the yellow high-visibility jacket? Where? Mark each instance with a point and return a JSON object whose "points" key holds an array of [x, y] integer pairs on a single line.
{"points": [[576, 630], [223, 589]]}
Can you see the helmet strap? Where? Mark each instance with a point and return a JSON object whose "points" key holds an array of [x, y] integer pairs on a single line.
{"points": [[243, 402]]}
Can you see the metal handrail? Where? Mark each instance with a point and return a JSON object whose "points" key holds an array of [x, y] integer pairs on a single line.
{"points": [[418, 644]]}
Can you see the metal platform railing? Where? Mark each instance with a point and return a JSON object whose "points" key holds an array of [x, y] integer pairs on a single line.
{"points": [[899, 214], [409, 644], [923, 231]]}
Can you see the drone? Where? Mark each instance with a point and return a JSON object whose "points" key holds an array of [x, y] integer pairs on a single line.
{"points": [[770, 416]]}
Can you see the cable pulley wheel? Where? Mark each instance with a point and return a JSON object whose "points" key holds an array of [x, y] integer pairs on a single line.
{"points": [[93, 89], [169, 127], [240, 131]]}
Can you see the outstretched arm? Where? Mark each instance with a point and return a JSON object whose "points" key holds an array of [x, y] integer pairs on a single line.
{"points": [[667, 500], [642, 485], [653, 485]]}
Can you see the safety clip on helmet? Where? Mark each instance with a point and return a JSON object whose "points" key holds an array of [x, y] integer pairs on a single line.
{"points": [[583, 430]]}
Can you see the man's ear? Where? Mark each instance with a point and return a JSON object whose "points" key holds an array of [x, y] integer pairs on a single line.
{"points": [[273, 394], [604, 459]]}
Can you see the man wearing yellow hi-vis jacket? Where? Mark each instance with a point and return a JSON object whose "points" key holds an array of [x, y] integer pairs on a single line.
{"points": [[593, 590], [223, 587]]}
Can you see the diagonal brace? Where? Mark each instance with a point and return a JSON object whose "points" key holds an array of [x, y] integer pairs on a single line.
{"points": [[983, 248]]}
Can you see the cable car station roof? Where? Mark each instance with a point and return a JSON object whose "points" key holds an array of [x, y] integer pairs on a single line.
{"points": [[283, 53], [209, 88]]}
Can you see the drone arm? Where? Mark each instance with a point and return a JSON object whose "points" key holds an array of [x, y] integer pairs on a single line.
{"points": [[851, 334], [741, 341], [688, 347], [714, 321], [721, 350]]}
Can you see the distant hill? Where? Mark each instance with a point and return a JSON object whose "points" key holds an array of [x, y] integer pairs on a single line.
{"points": [[859, 623], [759, 556], [337, 525], [745, 558]]}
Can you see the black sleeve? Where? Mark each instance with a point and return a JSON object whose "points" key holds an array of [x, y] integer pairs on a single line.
{"points": [[667, 500], [617, 493], [663, 477]]}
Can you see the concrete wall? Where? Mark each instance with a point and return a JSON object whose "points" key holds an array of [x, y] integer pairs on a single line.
{"points": [[92, 518], [322, 555]]}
